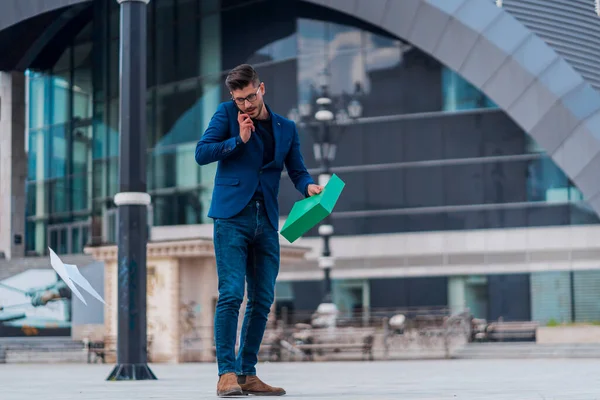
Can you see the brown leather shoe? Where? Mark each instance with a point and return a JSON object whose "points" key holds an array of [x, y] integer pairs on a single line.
{"points": [[251, 385], [228, 386]]}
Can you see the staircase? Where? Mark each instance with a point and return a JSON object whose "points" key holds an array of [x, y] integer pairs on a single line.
{"points": [[526, 350], [42, 350]]}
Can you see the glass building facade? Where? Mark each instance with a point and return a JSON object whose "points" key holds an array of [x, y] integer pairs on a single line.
{"points": [[430, 153]]}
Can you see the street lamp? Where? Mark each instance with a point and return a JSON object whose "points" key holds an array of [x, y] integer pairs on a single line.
{"points": [[132, 200], [326, 118]]}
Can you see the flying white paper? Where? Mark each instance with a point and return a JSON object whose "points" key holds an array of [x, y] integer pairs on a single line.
{"points": [[76, 277], [71, 275]]}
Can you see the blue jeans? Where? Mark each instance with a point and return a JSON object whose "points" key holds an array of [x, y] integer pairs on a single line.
{"points": [[247, 251]]}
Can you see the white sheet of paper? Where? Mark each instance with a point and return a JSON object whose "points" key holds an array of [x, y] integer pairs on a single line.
{"points": [[76, 277], [70, 274]]}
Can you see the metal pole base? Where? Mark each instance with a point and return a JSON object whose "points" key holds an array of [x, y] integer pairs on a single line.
{"points": [[131, 372]]}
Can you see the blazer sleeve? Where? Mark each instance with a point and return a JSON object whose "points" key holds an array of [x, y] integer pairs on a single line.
{"points": [[216, 143], [294, 163]]}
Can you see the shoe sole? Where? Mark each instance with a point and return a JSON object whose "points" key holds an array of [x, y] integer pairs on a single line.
{"points": [[233, 393], [248, 393]]}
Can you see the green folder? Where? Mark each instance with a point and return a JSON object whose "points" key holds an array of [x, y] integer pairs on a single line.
{"points": [[307, 213]]}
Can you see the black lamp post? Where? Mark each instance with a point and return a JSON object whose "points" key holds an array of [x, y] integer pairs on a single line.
{"points": [[132, 200], [322, 124]]}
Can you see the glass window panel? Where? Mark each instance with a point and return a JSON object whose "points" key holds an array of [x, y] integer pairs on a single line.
{"points": [[374, 40], [548, 215], [506, 218], [82, 83], [58, 190], [187, 11], [85, 35], [187, 171], [346, 69], [311, 36], [82, 55], [546, 182], [100, 144], [421, 140], [32, 193], [79, 188], [464, 184], [112, 132], [76, 246], [278, 23], [114, 19], [178, 209], [310, 67], [63, 244], [100, 175], [113, 176], [85, 236], [423, 187], [166, 57], [58, 152], [501, 136], [165, 13], [81, 150], [113, 69], [29, 236], [505, 182], [342, 38], [165, 168], [54, 238], [186, 50], [462, 136], [582, 214], [37, 101], [465, 220], [177, 115], [285, 48], [64, 62], [210, 6], [280, 85], [60, 100], [32, 157], [459, 94]]}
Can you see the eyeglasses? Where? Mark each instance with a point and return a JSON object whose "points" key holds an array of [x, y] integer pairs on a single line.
{"points": [[251, 98]]}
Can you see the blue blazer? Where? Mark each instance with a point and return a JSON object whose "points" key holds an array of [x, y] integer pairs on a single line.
{"points": [[240, 168]]}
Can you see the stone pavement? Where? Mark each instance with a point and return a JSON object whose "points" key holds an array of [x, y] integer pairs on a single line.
{"points": [[439, 380]]}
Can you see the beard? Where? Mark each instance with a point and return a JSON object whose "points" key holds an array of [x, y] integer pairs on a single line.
{"points": [[255, 111]]}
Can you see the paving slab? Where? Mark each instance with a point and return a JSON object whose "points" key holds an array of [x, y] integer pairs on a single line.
{"points": [[436, 379]]}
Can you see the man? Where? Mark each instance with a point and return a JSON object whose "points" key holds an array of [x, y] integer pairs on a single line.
{"points": [[251, 145]]}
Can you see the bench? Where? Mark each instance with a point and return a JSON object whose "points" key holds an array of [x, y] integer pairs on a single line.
{"points": [[511, 331], [98, 350], [335, 340]]}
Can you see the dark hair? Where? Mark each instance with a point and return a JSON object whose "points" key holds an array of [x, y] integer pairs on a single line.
{"points": [[241, 76]]}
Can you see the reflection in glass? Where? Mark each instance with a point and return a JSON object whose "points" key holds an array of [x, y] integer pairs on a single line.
{"points": [[459, 94]]}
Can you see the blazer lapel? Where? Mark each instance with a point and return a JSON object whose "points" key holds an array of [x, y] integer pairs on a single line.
{"points": [[277, 137], [277, 132]]}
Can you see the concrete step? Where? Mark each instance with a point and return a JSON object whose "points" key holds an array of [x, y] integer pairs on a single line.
{"points": [[526, 350], [41, 350], [43, 357]]}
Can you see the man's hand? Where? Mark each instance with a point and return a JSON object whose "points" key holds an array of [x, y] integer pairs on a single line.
{"points": [[246, 126], [314, 189]]}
